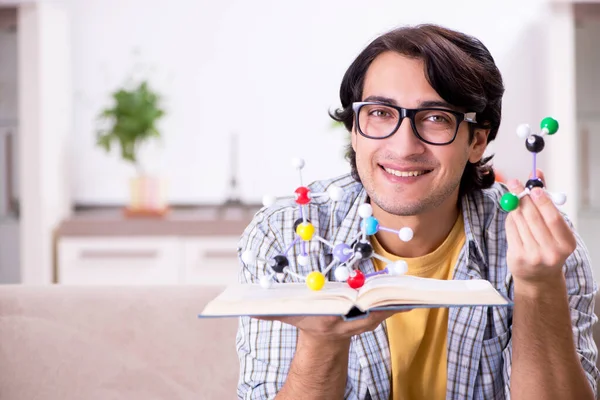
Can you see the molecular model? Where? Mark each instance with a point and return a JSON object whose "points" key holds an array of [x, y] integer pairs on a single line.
{"points": [[345, 256], [535, 144]]}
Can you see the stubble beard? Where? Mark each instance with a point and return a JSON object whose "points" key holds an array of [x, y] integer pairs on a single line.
{"points": [[430, 201]]}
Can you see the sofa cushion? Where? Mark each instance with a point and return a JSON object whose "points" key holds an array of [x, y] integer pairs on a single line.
{"points": [[91, 342]]}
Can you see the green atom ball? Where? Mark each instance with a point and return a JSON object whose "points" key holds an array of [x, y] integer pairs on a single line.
{"points": [[509, 202], [550, 124]]}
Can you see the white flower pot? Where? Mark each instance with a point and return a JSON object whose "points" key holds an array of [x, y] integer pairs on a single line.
{"points": [[148, 196]]}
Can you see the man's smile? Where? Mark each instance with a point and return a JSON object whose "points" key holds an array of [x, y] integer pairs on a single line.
{"points": [[404, 173]]}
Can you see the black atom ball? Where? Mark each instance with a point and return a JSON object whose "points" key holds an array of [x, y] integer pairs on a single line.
{"points": [[534, 143], [280, 263], [533, 183], [364, 249]]}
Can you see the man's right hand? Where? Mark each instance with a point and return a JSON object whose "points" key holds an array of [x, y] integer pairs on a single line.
{"points": [[319, 369], [331, 329]]}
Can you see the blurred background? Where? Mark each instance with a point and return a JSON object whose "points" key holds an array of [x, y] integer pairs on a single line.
{"points": [[230, 92]]}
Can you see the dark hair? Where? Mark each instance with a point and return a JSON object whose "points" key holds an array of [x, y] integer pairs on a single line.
{"points": [[458, 67]]}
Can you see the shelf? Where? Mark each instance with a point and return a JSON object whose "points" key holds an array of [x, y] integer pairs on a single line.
{"points": [[201, 221]]}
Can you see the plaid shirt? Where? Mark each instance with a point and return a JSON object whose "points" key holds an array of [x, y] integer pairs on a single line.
{"points": [[479, 338]]}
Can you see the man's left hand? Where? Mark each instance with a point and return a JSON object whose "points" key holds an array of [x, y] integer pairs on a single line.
{"points": [[539, 240]]}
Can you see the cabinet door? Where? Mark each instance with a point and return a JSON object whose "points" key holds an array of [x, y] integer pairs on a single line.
{"points": [[211, 260], [119, 260]]}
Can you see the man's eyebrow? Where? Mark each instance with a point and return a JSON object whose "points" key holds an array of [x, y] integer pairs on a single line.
{"points": [[437, 103], [381, 99]]}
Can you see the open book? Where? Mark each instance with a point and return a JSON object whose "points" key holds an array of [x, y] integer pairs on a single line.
{"points": [[337, 298]]}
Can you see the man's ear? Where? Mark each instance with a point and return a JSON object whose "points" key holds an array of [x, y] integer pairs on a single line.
{"points": [[478, 145]]}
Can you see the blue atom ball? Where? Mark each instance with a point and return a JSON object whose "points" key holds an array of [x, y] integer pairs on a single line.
{"points": [[372, 225]]}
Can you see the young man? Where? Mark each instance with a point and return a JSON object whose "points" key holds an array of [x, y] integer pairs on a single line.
{"points": [[422, 103]]}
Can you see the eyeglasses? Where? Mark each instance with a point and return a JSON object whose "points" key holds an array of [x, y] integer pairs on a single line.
{"points": [[437, 126]]}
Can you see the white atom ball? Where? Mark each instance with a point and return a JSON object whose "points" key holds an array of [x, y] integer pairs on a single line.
{"points": [[303, 260], [405, 234], [335, 193], [559, 198], [268, 200], [523, 131], [341, 274], [399, 267], [248, 257], [298, 163], [266, 282], [365, 210]]}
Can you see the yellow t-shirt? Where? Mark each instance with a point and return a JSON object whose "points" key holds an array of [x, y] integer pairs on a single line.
{"points": [[418, 337]]}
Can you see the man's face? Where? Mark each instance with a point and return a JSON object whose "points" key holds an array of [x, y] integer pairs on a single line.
{"points": [[383, 165]]}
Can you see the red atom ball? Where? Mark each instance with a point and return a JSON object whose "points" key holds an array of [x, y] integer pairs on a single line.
{"points": [[356, 279], [302, 195]]}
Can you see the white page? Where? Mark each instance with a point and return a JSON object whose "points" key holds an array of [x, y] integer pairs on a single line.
{"points": [[425, 284]]}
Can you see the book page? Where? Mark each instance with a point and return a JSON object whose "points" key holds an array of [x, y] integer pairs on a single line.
{"points": [[385, 290], [336, 298]]}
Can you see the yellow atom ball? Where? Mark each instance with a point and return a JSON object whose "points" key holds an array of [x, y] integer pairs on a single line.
{"points": [[315, 280], [305, 230]]}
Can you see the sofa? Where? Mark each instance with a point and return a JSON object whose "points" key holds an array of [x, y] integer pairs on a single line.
{"points": [[116, 343]]}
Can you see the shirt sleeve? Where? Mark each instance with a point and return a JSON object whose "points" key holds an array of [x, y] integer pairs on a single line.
{"points": [[581, 291], [265, 349]]}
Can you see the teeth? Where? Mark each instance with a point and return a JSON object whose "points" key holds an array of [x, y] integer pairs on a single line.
{"points": [[404, 173]]}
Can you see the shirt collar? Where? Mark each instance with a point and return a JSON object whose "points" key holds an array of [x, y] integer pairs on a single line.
{"points": [[473, 221], [474, 226]]}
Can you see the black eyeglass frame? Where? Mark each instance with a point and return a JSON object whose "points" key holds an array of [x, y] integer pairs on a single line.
{"points": [[410, 114]]}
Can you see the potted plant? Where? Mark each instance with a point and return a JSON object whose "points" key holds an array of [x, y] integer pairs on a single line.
{"points": [[132, 122]]}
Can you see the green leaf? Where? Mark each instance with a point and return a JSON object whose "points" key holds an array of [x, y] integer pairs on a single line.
{"points": [[104, 142], [131, 120]]}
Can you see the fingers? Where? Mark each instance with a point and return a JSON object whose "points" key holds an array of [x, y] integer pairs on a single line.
{"points": [[286, 320], [300, 319], [370, 323], [539, 174], [264, 318], [383, 315], [512, 233], [543, 234], [554, 222], [334, 326], [523, 216]]}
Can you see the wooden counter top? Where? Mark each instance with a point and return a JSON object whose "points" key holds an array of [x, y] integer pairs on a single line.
{"points": [[188, 221]]}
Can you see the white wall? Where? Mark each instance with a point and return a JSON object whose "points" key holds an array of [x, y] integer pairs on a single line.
{"points": [[588, 103], [587, 33], [45, 115], [270, 70]]}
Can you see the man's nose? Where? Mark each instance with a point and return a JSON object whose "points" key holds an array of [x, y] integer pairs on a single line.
{"points": [[404, 141]]}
